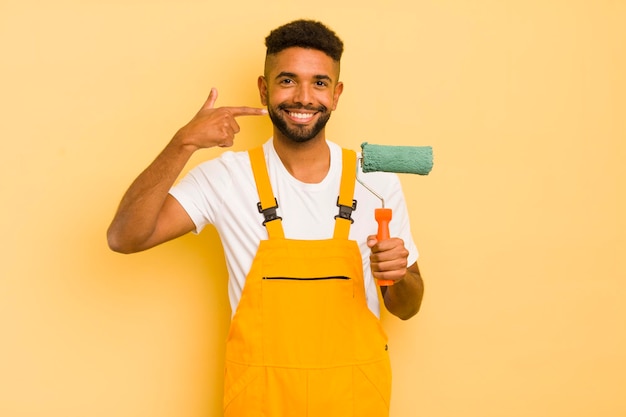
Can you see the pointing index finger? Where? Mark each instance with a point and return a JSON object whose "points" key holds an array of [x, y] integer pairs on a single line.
{"points": [[246, 111]]}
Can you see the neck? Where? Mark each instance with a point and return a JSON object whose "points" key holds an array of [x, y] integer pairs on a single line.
{"points": [[308, 162]]}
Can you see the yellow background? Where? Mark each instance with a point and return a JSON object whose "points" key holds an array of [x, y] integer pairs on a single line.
{"points": [[521, 223]]}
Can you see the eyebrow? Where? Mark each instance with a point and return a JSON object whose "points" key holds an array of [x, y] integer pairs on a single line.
{"points": [[293, 75]]}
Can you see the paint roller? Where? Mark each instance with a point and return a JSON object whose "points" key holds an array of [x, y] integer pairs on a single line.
{"points": [[397, 159]]}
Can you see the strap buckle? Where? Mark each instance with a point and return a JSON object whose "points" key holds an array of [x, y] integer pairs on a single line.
{"points": [[269, 213], [345, 212]]}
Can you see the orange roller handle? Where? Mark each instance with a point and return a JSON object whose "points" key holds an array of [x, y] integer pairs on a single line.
{"points": [[383, 217]]}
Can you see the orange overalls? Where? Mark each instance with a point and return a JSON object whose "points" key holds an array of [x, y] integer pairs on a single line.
{"points": [[303, 342]]}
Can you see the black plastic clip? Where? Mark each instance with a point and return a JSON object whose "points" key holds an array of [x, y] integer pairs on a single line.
{"points": [[345, 212], [269, 213]]}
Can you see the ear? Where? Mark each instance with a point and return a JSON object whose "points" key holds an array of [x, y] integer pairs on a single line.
{"points": [[336, 94], [262, 84]]}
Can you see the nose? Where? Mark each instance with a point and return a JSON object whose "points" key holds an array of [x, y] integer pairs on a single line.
{"points": [[303, 95]]}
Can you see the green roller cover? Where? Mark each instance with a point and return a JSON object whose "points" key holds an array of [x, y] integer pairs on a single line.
{"points": [[400, 159]]}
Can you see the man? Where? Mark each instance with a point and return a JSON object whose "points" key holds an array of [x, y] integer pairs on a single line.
{"points": [[305, 338]]}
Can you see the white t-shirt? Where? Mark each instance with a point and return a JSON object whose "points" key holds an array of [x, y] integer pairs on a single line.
{"points": [[222, 192]]}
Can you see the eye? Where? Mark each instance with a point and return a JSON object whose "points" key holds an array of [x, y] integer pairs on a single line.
{"points": [[321, 83], [286, 81]]}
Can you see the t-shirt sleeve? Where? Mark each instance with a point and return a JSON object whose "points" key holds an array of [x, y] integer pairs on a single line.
{"points": [[200, 192]]}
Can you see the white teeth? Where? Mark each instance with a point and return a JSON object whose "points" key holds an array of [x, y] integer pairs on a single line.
{"points": [[301, 115]]}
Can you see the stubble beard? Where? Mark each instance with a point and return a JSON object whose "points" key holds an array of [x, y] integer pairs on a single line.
{"points": [[298, 134]]}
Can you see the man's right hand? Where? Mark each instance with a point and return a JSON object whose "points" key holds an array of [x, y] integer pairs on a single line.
{"points": [[148, 215], [213, 126]]}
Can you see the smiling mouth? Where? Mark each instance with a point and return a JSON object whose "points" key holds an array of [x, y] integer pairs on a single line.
{"points": [[300, 116]]}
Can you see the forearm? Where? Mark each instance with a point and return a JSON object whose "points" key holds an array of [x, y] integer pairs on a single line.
{"points": [[404, 298], [136, 218], [146, 216]]}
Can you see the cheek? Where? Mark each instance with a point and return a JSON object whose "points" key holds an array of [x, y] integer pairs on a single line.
{"points": [[332, 102], [275, 98]]}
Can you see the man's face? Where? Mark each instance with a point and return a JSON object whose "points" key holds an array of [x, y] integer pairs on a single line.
{"points": [[300, 89]]}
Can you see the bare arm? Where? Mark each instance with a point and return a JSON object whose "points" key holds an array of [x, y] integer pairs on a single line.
{"points": [[148, 215], [388, 261]]}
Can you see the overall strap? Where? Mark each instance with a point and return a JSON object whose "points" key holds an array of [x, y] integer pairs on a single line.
{"points": [[346, 194], [268, 204]]}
